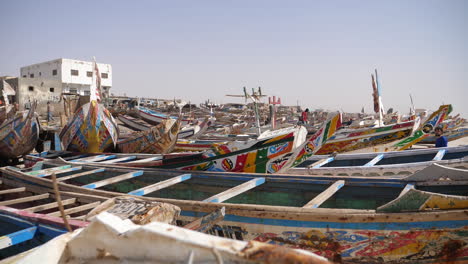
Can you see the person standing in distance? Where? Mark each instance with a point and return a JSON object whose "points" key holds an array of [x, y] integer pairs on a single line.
{"points": [[441, 141]]}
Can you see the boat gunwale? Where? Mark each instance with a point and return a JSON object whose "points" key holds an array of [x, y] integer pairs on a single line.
{"points": [[267, 211]]}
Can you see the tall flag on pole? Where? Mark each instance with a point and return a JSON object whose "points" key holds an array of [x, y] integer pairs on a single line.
{"points": [[95, 88], [375, 95]]}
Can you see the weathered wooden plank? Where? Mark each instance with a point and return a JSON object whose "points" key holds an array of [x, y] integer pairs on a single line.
{"points": [[25, 199], [440, 154], [206, 222], [57, 142], [21, 189], [80, 174], [48, 173], [321, 162], [74, 157], [323, 196], [408, 187], [95, 158], [115, 179], [223, 196], [76, 209], [43, 207], [374, 160], [12, 168], [17, 237], [160, 185], [53, 169], [145, 160], [119, 160]]}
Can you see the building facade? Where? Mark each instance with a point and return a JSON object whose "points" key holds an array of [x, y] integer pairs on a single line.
{"points": [[47, 81]]}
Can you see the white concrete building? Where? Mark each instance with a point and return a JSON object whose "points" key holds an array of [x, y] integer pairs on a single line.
{"points": [[45, 82]]}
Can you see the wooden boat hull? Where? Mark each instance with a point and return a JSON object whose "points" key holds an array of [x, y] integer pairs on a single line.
{"points": [[337, 232], [367, 138], [267, 155], [91, 130], [159, 139], [134, 123], [155, 118], [382, 163], [450, 135], [19, 135]]}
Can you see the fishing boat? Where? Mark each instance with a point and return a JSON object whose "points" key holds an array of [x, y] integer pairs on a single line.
{"points": [[382, 163], [191, 131], [19, 135], [158, 243], [361, 142], [353, 139], [158, 139], [271, 152], [154, 117], [345, 219], [135, 124], [92, 129], [451, 135], [30, 215], [22, 230]]}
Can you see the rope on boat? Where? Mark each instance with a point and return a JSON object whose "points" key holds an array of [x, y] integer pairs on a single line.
{"points": [[58, 198]]}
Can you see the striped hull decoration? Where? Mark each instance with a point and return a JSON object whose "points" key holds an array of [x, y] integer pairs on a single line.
{"points": [[91, 130], [314, 143], [355, 242], [19, 135], [432, 122]]}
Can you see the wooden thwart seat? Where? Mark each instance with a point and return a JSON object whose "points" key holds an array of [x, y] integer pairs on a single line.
{"points": [[323, 196]]}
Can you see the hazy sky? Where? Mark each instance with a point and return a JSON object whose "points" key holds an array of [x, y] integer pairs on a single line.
{"points": [[320, 53]]}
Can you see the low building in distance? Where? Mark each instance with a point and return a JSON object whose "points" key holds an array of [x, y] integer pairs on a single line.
{"points": [[47, 81]]}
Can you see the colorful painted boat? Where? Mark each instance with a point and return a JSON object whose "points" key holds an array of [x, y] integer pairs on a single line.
{"points": [[451, 135], [434, 120], [91, 130], [345, 219], [192, 131], [158, 139], [348, 140], [159, 243], [22, 230], [382, 163], [30, 215], [383, 139], [135, 124], [155, 117], [19, 135]]}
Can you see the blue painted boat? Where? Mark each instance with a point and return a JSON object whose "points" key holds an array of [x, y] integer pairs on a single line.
{"points": [[29, 215], [346, 219], [383, 163], [22, 230]]}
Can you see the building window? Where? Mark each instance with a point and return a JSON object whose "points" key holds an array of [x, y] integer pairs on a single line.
{"points": [[31, 88], [40, 74], [86, 92], [54, 72], [89, 74], [24, 76], [104, 75], [72, 90], [51, 89], [74, 72], [31, 75]]}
